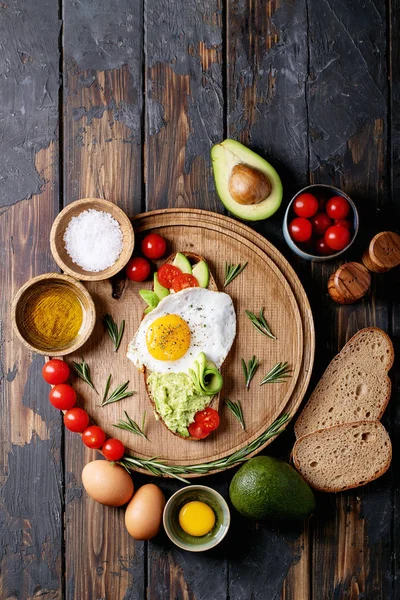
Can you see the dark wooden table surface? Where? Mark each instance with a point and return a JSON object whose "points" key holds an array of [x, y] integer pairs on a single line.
{"points": [[123, 100]]}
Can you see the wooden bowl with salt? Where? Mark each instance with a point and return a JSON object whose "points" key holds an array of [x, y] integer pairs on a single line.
{"points": [[102, 214]]}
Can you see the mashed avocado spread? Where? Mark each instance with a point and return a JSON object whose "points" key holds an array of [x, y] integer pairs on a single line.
{"points": [[176, 400]]}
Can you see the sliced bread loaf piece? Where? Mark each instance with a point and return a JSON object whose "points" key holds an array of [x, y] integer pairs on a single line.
{"points": [[343, 457], [355, 386]]}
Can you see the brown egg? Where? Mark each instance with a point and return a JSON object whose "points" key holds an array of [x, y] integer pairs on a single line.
{"points": [[106, 483], [144, 512]]}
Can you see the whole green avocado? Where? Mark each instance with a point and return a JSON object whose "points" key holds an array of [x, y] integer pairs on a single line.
{"points": [[268, 487]]}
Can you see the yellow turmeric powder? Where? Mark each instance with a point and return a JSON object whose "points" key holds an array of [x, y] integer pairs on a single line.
{"points": [[53, 316]]}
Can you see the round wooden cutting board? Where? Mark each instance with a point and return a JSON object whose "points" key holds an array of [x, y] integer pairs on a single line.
{"points": [[267, 281]]}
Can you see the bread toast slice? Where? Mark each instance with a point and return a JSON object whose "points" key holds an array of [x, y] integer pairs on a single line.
{"points": [[214, 400], [343, 457], [355, 385]]}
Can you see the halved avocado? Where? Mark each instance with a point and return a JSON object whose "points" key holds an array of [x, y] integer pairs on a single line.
{"points": [[248, 186]]}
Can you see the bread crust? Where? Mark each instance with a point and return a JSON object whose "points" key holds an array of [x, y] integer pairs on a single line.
{"points": [[298, 427], [332, 488], [214, 403]]}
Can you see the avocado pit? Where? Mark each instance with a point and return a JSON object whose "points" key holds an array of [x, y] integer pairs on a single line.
{"points": [[248, 185]]}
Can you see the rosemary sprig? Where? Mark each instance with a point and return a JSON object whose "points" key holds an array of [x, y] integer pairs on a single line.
{"points": [[132, 426], [118, 394], [250, 369], [83, 371], [113, 331], [260, 323], [232, 271], [236, 410], [278, 374], [159, 468], [106, 389]]}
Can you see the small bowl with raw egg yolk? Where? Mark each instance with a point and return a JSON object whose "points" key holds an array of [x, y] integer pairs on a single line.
{"points": [[196, 518]]}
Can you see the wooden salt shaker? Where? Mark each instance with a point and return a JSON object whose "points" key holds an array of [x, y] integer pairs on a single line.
{"points": [[383, 252], [349, 283]]}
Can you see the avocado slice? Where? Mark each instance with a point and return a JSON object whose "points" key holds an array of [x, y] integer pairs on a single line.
{"points": [[247, 185], [202, 273], [159, 289], [182, 263]]}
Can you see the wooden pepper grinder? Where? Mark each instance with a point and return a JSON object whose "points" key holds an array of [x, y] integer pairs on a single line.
{"points": [[349, 283], [383, 253], [352, 280]]}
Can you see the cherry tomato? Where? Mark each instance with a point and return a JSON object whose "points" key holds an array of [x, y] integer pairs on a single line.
{"points": [[208, 419], [197, 432], [76, 419], [154, 246], [137, 269], [183, 281], [337, 208], [320, 223], [300, 229], [322, 247], [93, 437], [55, 371], [337, 237], [305, 205], [321, 204], [344, 223], [166, 275], [62, 396], [113, 449]]}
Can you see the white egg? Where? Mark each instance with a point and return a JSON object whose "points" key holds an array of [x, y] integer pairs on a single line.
{"points": [[184, 324]]}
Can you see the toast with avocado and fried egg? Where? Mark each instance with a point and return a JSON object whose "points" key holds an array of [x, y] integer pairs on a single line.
{"points": [[182, 341]]}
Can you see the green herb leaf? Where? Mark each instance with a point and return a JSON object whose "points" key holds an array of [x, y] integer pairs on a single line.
{"points": [[260, 323], [113, 331], [250, 369], [118, 394], [278, 374], [232, 271], [236, 410], [106, 389], [83, 371], [159, 468], [133, 427]]}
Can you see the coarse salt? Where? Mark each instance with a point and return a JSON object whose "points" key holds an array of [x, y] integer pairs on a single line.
{"points": [[93, 240]]}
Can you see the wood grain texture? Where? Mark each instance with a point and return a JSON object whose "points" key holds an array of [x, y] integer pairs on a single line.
{"points": [[216, 241], [31, 476], [102, 133], [349, 283], [345, 142], [383, 252], [266, 76]]}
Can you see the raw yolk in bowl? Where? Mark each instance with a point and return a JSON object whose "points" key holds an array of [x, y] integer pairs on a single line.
{"points": [[168, 338], [196, 518]]}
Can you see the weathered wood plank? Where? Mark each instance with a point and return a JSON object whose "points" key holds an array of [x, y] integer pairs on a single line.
{"points": [[184, 101], [184, 118], [266, 109], [347, 124], [102, 157], [31, 471], [393, 276]]}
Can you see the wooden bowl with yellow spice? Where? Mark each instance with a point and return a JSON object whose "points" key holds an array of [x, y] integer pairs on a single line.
{"points": [[53, 314], [92, 239]]}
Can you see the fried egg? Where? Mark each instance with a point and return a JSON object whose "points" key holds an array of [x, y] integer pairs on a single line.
{"points": [[184, 324]]}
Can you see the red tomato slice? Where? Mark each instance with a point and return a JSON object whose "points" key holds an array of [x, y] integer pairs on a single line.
{"points": [[166, 275], [183, 281], [197, 432], [208, 419]]}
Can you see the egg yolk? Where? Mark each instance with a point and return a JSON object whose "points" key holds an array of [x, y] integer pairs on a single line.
{"points": [[196, 518], [168, 338]]}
